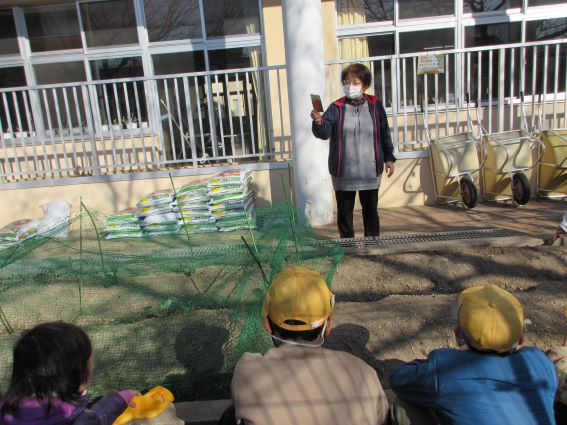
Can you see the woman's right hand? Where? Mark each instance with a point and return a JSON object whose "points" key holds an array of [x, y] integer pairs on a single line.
{"points": [[316, 117]]}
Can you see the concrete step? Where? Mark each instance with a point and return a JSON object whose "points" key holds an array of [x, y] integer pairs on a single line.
{"points": [[209, 412], [202, 412]]}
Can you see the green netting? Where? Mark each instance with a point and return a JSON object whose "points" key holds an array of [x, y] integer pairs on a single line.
{"points": [[175, 310]]}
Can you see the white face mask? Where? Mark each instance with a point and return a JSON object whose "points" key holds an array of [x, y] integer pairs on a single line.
{"points": [[304, 343], [352, 92]]}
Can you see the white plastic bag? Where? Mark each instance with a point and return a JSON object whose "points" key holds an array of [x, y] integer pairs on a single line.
{"points": [[167, 417], [55, 214]]}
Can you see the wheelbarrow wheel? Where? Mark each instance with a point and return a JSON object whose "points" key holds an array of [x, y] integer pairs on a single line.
{"points": [[469, 194], [521, 190]]}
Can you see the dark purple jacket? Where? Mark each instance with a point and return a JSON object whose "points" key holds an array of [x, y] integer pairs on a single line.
{"points": [[104, 412], [332, 128]]}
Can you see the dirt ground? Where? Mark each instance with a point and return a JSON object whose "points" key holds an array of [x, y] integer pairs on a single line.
{"points": [[397, 307], [390, 308]]}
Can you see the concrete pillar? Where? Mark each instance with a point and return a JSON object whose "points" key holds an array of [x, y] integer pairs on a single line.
{"points": [[303, 36]]}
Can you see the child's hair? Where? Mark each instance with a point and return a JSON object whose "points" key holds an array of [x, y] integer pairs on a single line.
{"points": [[50, 360]]}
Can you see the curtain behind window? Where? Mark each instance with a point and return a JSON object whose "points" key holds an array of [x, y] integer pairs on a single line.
{"points": [[351, 12]]}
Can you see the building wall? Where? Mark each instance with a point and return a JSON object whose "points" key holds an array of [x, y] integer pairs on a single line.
{"points": [[274, 34], [412, 182]]}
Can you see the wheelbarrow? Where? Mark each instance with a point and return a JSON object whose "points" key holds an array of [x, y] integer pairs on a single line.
{"points": [[552, 169], [508, 161], [455, 165]]}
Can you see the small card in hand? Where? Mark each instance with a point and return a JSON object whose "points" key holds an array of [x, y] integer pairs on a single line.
{"points": [[316, 102]]}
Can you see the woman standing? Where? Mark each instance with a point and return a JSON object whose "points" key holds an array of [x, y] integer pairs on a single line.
{"points": [[360, 149]]}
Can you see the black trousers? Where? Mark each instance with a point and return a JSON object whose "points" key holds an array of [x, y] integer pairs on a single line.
{"points": [[345, 209]]}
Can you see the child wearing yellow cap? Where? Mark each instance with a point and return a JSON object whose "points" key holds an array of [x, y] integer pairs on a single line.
{"points": [[298, 381], [494, 380]]}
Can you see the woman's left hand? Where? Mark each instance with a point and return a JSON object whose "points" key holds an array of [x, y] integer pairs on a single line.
{"points": [[389, 168]]}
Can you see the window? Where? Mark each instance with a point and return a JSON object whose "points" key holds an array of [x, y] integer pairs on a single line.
{"points": [[479, 6], [237, 99], [8, 37], [423, 8], [243, 57], [71, 113], [229, 17], [53, 28], [362, 47], [175, 113], [381, 45], [13, 77], [549, 71], [423, 41], [547, 29], [175, 63], [354, 12], [109, 23], [172, 19], [63, 72], [487, 63], [118, 101], [492, 34], [543, 2], [108, 69]]}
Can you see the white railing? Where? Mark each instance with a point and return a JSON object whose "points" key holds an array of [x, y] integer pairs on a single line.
{"points": [[197, 120], [494, 77], [143, 124]]}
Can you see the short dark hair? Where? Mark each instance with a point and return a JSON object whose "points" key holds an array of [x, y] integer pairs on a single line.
{"points": [[310, 335], [50, 360], [361, 71]]}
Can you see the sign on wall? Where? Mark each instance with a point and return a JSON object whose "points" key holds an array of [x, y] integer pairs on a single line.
{"points": [[431, 64]]}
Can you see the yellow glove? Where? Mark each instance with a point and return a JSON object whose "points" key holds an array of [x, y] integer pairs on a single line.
{"points": [[146, 406]]}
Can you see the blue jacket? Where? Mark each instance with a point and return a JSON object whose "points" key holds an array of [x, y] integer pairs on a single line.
{"points": [[470, 387], [332, 127]]}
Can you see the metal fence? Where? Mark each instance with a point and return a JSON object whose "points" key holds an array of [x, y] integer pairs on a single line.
{"points": [[494, 77], [143, 124], [232, 117]]}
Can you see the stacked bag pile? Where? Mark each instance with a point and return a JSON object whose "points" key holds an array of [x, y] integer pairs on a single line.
{"points": [[54, 223], [223, 203], [122, 224], [156, 213], [17, 231], [231, 201], [192, 208]]}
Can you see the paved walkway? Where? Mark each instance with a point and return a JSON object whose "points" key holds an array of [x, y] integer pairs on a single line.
{"points": [[537, 219]]}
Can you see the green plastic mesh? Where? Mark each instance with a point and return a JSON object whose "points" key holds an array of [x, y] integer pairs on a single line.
{"points": [[176, 310]]}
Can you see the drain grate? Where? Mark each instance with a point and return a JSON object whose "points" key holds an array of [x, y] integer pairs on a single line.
{"points": [[369, 242], [348, 244]]}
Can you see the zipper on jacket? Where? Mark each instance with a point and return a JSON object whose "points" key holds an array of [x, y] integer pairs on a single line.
{"points": [[340, 141], [376, 147]]}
